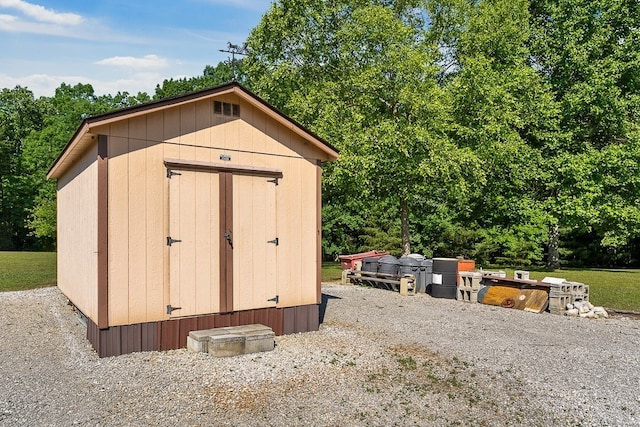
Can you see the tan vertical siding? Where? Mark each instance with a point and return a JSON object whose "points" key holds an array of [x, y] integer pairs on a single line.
{"points": [[254, 259], [290, 256], [137, 210], [154, 218], [118, 227], [307, 233], [78, 246]]}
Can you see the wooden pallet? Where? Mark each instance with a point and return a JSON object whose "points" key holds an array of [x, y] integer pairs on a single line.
{"points": [[405, 284]]}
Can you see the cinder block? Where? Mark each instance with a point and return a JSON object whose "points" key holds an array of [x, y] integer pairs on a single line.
{"points": [[345, 277], [558, 304], [470, 279], [407, 285], [198, 341], [521, 274], [197, 346], [467, 294], [259, 341], [500, 273], [226, 345]]}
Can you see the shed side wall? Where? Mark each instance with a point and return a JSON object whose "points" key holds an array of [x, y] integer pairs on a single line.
{"points": [[78, 246]]}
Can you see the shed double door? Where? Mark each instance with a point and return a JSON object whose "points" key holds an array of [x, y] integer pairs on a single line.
{"points": [[222, 242]]}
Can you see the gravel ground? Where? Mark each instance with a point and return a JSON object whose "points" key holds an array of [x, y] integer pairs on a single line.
{"points": [[378, 359]]}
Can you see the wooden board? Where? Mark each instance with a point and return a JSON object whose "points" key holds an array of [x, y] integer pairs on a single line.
{"points": [[533, 300]]}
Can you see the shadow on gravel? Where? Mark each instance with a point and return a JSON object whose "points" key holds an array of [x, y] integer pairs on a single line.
{"points": [[323, 305]]}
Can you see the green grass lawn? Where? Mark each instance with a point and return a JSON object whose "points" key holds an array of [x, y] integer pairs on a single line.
{"points": [[613, 288], [27, 270]]}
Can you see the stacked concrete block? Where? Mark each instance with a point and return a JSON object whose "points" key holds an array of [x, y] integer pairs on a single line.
{"points": [[521, 274], [579, 292], [469, 284], [566, 293]]}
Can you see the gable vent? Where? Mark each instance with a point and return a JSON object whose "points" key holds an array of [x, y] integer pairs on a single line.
{"points": [[226, 109]]}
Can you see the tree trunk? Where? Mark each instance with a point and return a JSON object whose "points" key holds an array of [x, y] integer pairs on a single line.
{"points": [[553, 257], [404, 226]]}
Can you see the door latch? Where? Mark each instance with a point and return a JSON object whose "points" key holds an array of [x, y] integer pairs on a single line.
{"points": [[275, 299], [171, 241], [227, 236], [171, 173], [275, 241], [170, 309]]}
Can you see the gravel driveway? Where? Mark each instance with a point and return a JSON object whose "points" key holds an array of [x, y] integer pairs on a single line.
{"points": [[378, 359]]}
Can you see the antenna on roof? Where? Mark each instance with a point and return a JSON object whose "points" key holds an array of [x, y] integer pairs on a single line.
{"points": [[234, 50]]}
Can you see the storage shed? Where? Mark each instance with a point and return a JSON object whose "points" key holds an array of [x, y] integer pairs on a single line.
{"points": [[190, 213]]}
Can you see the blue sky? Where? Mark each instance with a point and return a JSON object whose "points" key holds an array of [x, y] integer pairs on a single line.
{"points": [[117, 45]]}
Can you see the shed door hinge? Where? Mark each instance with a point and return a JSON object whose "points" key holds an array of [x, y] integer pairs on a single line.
{"points": [[275, 241], [170, 309], [275, 299], [171, 173], [171, 241]]}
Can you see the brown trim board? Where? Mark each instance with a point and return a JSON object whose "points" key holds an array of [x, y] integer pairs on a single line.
{"points": [[103, 232], [217, 167], [319, 232], [226, 242]]}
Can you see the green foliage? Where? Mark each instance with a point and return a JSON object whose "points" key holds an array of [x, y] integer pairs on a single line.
{"points": [[363, 75], [464, 127], [211, 77], [20, 116]]}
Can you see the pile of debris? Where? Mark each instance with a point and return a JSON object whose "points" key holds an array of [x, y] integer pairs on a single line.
{"points": [[456, 278], [572, 299], [585, 309]]}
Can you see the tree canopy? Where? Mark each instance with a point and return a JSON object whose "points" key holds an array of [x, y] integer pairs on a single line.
{"points": [[502, 130]]}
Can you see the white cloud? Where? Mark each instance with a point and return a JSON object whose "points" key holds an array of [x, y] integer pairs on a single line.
{"points": [[42, 14], [12, 24], [146, 62], [46, 85], [7, 19], [39, 84]]}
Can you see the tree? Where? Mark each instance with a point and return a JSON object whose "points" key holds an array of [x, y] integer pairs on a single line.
{"points": [[588, 52], [211, 76], [66, 110], [506, 113], [20, 116], [363, 75]]}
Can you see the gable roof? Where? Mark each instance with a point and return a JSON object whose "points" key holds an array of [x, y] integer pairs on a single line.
{"points": [[82, 137]]}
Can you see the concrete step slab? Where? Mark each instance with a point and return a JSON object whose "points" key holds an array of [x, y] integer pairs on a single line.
{"points": [[232, 340]]}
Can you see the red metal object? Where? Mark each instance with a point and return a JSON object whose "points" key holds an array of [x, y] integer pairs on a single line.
{"points": [[348, 262], [465, 265]]}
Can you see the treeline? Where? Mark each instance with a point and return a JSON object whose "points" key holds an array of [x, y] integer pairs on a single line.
{"points": [[502, 130], [34, 131]]}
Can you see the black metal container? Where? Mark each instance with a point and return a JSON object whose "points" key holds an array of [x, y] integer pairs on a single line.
{"points": [[444, 278]]}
